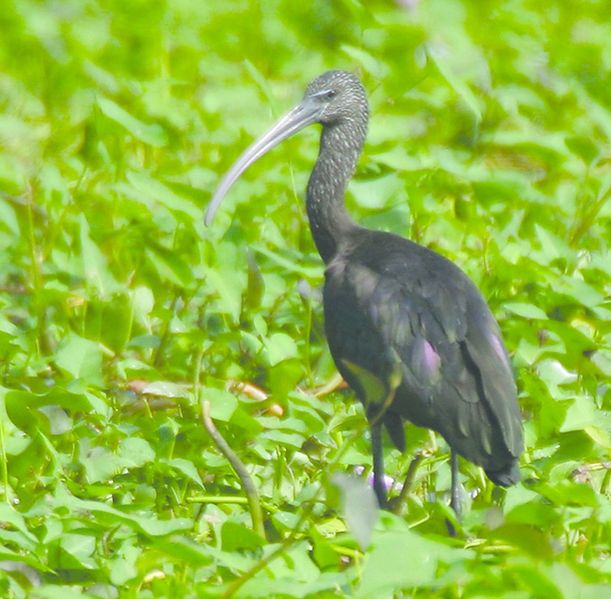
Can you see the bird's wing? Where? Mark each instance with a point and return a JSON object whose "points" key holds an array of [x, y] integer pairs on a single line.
{"points": [[495, 380], [456, 373]]}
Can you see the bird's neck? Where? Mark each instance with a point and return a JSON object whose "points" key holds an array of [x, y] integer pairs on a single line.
{"points": [[340, 147]]}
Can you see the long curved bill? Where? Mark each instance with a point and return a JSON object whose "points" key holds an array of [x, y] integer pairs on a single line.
{"points": [[302, 115]]}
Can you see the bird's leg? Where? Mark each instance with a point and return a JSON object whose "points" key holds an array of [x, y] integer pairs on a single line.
{"points": [[455, 500], [394, 380], [378, 463], [377, 397]]}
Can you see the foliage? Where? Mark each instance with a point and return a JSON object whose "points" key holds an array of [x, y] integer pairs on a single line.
{"points": [[489, 142]]}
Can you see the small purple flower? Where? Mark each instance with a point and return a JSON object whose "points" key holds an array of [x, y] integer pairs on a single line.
{"points": [[389, 481]]}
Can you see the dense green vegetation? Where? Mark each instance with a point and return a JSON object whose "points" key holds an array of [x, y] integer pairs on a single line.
{"points": [[489, 142]]}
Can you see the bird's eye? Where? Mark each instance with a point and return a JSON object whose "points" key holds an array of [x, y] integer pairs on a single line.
{"points": [[330, 94]]}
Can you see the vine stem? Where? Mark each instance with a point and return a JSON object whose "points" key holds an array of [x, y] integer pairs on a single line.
{"points": [[254, 505], [4, 465], [293, 536]]}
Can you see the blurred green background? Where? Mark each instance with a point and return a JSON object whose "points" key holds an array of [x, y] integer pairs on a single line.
{"points": [[489, 142]]}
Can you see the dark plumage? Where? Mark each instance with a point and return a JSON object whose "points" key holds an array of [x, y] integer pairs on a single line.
{"points": [[407, 328]]}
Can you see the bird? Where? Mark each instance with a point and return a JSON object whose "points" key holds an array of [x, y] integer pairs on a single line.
{"points": [[407, 329]]}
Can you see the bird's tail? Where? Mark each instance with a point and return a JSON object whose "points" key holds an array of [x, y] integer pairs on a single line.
{"points": [[507, 476]]}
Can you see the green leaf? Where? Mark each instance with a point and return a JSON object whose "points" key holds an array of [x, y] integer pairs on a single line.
{"points": [[370, 63], [134, 452], [59, 421], [52, 591], [525, 310], [143, 302], [359, 507], [80, 547], [287, 263], [581, 413], [236, 536], [583, 146], [385, 570], [553, 247], [280, 347], [282, 438], [166, 389], [456, 83], [150, 134], [186, 550], [81, 358], [185, 467], [223, 404], [379, 193], [150, 189], [10, 517], [230, 294], [95, 266], [26, 409], [123, 567], [170, 267], [8, 218], [255, 284], [101, 464], [106, 514]]}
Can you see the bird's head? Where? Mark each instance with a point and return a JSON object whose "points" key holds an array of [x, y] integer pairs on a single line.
{"points": [[335, 96], [332, 98]]}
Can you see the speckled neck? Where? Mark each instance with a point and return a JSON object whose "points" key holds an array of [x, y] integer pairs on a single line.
{"points": [[340, 148]]}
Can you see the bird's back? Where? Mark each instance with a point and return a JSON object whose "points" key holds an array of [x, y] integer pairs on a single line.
{"points": [[391, 305]]}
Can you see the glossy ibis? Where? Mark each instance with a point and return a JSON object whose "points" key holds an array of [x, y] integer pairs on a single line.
{"points": [[407, 328]]}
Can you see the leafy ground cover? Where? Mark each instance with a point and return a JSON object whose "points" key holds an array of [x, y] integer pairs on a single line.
{"points": [[489, 143]]}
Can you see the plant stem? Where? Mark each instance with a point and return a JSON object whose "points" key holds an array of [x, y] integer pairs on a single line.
{"points": [[4, 464], [407, 483], [239, 582], [248, 485]]}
